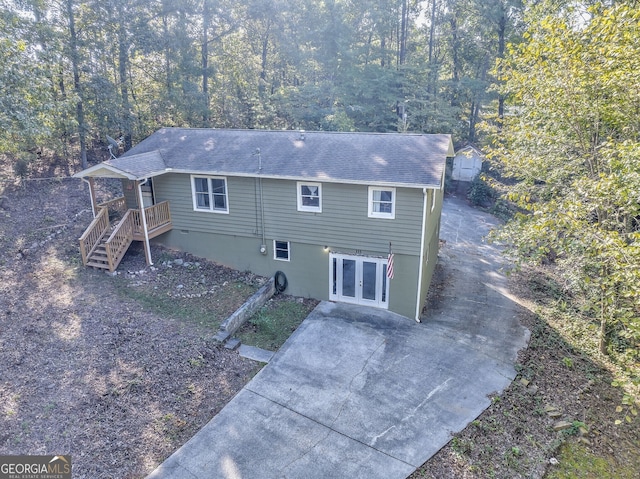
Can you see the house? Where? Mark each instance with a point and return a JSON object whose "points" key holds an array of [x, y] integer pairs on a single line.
{"points": [[325, 208], [467, 164]]}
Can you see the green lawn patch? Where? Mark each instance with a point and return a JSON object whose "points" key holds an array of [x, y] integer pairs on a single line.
{"points": [[208, 310], [270, 327], [576, 461]]}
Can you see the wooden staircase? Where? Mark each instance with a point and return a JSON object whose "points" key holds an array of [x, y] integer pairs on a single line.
{"points": [[99, 258], [103, 245]]}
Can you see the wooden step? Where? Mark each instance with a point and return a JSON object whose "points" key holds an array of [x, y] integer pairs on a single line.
{"points": [[97, 265], [98, 259]]}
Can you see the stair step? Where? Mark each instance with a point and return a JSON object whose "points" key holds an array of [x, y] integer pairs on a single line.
{"points": [[99, 260], [97, 265]]}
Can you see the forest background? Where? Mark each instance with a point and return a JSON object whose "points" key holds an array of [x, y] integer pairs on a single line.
{"points": [[74, 71], [549, 88]]}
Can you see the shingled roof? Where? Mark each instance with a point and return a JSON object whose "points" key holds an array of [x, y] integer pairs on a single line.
{"points": [[369, 158]]}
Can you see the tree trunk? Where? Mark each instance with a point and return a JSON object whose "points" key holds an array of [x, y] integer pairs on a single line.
{"points": [[404, 26], [473, 119], [263, 60], [433, 75], [167, 48], [206, 23], [602, 340], [74, 56], [123, 59], [502, 31], [432, 29], [455, 60]]}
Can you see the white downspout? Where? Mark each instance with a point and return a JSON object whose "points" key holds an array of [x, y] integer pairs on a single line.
{"points": [[93, 204], [147, 247], [263, 245], [425, 206]]}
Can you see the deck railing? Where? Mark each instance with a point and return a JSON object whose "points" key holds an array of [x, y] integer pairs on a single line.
{"points": [[119, 241], [156, 216], [93, 234], [130, 227], [116, 205]]}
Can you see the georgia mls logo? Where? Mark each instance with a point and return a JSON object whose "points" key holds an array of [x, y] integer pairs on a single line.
{"points": [[35, 467]]}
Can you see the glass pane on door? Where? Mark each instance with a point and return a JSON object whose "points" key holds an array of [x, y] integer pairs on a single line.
{"points": [[369, 280], [349, 278]]}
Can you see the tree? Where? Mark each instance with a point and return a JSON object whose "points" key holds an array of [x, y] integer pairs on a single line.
{"points": [[27, 105], [571, 137], [73, 53]]}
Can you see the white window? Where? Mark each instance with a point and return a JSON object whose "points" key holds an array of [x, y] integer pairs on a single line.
{"points": [[309, 196], [210, 194], [382, 202], [281, 250]]}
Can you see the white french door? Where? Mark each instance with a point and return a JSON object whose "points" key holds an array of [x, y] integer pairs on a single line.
{"points": [[358, 280]]}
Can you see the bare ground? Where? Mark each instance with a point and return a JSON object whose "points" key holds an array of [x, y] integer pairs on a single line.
{"points": [[89, 371], [118, 372]]}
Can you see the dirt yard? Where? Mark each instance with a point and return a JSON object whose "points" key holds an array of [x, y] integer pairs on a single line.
{"points": [[118, 371], [87, 366]]}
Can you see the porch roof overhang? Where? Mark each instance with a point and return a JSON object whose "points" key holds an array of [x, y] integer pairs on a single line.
{"points": [[134, 167]]}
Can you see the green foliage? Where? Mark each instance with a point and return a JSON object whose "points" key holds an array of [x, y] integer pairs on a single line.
{"points": [[461, 446], [128, 67], [21, 168], [578, 461], [577, 427], [569, 140], [26, 104], [270, 327], [480, 192]]}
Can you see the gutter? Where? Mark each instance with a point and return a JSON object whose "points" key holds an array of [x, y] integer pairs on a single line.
{"points": [[93, 201], [147, 247], [421, 268]]}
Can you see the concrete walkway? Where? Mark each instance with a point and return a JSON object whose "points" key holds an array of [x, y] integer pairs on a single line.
{"points": [[363, 393]]}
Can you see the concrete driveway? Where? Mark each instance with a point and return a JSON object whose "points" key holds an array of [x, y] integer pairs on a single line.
{"points": [[363, 393]]}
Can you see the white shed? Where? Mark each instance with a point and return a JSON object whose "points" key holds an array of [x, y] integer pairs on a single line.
{"points": [[467, 164]]}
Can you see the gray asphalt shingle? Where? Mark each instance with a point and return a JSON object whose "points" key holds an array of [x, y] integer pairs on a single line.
{"points": [[374, 158]]}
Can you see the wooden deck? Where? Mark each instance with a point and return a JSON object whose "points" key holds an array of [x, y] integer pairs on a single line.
{"points": [[103, 244]]}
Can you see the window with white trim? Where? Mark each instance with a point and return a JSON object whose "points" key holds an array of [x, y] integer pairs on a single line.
{"points": [[382, 202], [281, 250], [210, 193], [309, 196]]}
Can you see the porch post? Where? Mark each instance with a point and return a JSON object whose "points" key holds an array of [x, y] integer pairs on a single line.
{"points": [[147, 248]]}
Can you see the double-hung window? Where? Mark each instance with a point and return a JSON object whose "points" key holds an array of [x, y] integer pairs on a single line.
{"points": [[281, 250], [210, 194], [309, 196], [382, 202]]}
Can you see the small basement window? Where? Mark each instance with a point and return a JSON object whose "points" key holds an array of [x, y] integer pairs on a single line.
{"points": [[281, 250]]}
